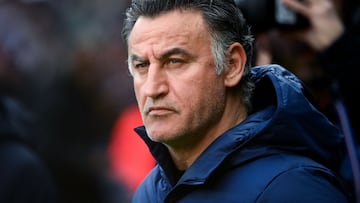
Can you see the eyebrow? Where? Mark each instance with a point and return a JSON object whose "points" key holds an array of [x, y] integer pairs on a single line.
{"points": [[175, 51], [164, 55], [136, 58]]}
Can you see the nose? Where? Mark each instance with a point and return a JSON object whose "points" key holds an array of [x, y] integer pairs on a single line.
{"points": [[156, 84]]}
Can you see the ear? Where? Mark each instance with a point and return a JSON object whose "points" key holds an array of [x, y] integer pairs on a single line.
{"points": [[235, 70]]}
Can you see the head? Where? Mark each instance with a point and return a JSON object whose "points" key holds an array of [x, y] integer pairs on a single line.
{"points": [[189, 45]]}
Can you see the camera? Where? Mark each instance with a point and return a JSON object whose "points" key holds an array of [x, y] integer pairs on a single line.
{"points": [[263, 15]]}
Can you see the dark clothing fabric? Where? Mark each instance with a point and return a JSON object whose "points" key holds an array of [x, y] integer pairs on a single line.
{"points": [[341, 62], [285, 151], [23, 175]]}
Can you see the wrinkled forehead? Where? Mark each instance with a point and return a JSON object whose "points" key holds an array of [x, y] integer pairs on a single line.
{"points": [[175, 27]]}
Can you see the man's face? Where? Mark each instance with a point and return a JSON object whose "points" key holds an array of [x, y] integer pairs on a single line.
{"points": [[180, 96]]}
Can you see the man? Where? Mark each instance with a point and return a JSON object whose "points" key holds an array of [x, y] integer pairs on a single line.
{"points": [[220, 131]]}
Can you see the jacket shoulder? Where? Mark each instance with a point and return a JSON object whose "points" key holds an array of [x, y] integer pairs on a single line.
{"points": [[285, 177], [153, 188]]}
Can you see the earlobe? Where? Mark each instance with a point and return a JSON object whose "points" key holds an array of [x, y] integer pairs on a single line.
{"points": [[236, 66]]}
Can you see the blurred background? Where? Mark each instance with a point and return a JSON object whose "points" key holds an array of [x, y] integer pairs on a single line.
{"points": [[66, 62]]}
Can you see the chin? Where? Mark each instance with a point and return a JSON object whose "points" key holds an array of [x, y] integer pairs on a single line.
{"points": [[162, 137]]}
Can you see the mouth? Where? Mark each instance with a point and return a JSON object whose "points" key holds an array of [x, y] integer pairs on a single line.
{"points": [[158, 111]]}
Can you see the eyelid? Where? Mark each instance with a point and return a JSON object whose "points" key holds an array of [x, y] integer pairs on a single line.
{"points": [[175, 60], [141, 64], [137, 61]]}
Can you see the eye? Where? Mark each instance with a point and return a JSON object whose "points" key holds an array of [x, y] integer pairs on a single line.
{"points": [[175, 61], [141, 65]]}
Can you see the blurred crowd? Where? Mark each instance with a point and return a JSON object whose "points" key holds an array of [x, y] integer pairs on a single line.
{"points": [[322, 51], [65, 64]]}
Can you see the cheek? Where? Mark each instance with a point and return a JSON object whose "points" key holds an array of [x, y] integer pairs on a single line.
{"points": [[205, 94], [206, 107], [139, 98]]}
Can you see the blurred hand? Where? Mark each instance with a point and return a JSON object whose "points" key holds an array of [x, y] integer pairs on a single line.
{"points": [[325, 23]]}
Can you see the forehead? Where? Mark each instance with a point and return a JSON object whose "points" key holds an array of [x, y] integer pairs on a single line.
{"points": [[175, 28]]}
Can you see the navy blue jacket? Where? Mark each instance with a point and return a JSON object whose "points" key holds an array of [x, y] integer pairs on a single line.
{"points": [[283, 152]]}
